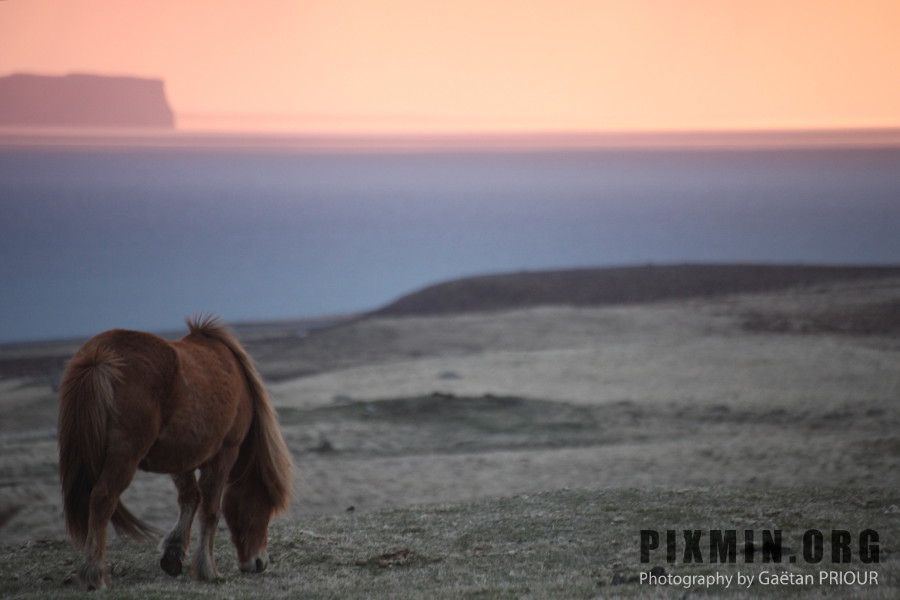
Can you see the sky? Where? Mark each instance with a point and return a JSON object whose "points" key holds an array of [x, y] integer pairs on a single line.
{"points": [[481, 65]]}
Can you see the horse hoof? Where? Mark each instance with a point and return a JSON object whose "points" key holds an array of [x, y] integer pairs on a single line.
{"points": [[171, 561], [93, 578]]}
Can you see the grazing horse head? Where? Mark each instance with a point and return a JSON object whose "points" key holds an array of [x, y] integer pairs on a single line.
{"points": [[132, 400], [250, 502], [247, 510]]}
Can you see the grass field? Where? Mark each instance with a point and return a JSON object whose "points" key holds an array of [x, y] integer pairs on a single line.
{"points": [[561, 544], [519, 453]]}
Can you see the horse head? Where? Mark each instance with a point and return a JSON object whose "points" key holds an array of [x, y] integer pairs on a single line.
{"points": [[248, 510]]}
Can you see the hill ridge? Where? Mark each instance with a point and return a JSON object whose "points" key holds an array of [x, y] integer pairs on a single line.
{"points": [[618, 285]]}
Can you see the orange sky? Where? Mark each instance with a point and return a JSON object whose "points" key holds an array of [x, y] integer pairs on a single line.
{"points": [[462, 65]]}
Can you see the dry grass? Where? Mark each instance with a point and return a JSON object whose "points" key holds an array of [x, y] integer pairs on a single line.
{"points": [[518, 454], [562, 544]]}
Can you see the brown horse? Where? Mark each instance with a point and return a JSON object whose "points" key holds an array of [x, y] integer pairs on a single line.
{"points": [[130, 400]]}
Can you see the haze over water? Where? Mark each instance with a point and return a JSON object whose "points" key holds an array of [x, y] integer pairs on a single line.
{"points": [[101, 238]]}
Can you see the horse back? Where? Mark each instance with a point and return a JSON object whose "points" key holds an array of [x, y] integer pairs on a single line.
{"points": [[147, 373], [209, 407]]}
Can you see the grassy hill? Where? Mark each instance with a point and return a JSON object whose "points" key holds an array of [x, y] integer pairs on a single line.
{"points": [[519, 453], [618, 285]]}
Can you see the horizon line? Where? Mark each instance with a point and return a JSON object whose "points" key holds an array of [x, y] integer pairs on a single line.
{"points": [[454, 140]]}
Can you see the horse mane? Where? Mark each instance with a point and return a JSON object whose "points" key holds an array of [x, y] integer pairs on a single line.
{"points": [[269, 455]]}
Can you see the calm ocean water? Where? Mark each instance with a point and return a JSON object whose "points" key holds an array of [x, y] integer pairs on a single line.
{"points": [[91, 240]]}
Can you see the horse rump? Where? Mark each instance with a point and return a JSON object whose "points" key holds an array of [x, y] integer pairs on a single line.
{"points": [[86, 401]]}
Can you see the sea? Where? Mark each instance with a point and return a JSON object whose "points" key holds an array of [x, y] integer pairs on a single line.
{"points": [[140, 237]]}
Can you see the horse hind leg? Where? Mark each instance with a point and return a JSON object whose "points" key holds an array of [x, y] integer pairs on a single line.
{"points": [[213, 479], [112, 482], [176, 543]]}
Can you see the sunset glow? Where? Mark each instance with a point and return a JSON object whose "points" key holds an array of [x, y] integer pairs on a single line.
{"points": [[406, 66]]}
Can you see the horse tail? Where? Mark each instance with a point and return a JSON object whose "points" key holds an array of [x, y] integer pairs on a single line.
{"points": [[264, 452], [86, 401]]}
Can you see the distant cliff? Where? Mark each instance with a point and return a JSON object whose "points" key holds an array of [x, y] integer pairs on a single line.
{"points": [[84, 101]]}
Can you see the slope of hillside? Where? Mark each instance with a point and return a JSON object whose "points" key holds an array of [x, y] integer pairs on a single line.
{"points": [[618, 285]]}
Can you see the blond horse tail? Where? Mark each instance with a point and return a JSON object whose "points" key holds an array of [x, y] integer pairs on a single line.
{"points": [[86, 398], [268, 456]]}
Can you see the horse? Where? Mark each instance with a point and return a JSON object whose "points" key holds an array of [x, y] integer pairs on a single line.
{"points": [[130, 400]]}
